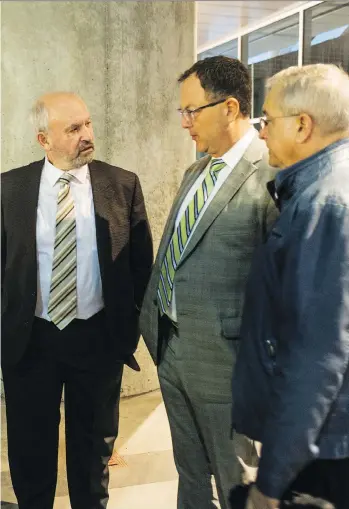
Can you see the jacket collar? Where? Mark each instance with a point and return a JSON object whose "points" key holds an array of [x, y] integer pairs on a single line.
{"points": [[298, 176]]}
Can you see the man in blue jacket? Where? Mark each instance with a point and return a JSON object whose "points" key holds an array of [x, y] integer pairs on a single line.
{"points": [[291, 380]]}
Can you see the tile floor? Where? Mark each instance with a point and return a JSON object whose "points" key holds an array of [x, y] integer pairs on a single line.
{"points": [[148, 477]]}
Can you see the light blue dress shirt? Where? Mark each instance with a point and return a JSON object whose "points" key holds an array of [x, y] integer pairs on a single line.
{"points": [[89, 284]]}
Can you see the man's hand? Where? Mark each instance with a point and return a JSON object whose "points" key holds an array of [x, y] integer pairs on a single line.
{"points": [[256, 500]]}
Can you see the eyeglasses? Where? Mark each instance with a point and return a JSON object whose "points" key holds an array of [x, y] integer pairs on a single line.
{"points": [[264, 121], [189, 115]]}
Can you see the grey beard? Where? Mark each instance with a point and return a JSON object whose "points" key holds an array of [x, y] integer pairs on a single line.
{"points": [[81, 160]]}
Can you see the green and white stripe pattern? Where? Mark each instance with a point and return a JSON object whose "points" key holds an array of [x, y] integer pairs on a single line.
{"points": [[182, 233], [63, 299]]}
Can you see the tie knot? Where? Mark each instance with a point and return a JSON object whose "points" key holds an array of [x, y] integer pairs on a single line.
{"points": [[217, 165], [65, 179]]}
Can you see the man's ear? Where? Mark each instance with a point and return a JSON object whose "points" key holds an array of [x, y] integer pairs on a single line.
{"points": [[233, 108], [43, 140], [305, 127]]}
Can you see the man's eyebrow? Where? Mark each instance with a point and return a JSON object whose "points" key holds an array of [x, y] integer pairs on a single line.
{"points": [[188, 107], [72, 126]]}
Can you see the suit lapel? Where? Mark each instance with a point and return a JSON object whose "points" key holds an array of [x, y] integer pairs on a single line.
{"points": [[230, 187], [103, 195], [29, 198], [186, 185]]}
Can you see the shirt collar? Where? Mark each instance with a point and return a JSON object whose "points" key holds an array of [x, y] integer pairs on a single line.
{"points": [[53, 174], [237, 150]]}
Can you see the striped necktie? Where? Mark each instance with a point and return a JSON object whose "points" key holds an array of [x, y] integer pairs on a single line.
{"points": [[182, 234], [63, 299]]}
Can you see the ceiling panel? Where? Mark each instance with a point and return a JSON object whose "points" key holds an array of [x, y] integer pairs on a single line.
{"points": [[218, 19]]}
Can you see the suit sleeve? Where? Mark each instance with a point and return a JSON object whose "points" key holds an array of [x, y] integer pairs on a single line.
{"points": [[141, 249], [313, 353]]}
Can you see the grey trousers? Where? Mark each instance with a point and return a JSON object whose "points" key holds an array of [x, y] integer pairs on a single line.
{"points": [[200, 421]]}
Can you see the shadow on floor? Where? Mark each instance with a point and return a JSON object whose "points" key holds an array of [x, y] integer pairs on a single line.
{"points": [[8, 505]]}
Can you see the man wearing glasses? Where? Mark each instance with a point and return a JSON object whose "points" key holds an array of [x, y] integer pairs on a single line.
{"points": [[294, 397], [191, 315]]}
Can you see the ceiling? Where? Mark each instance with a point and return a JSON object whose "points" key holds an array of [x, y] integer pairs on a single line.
{"points": [[218, 19]]}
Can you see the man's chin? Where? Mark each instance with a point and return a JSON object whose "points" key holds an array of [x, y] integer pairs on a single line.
{"points": [[273, 161], [200, 148], [85, 157], [82, 159]]}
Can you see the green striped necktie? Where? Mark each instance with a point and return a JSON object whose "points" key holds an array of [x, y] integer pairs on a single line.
{"points": [[63, 299], [182, 233]]}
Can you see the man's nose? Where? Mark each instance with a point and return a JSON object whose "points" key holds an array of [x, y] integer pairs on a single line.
{"points": [[186, 121], [263, 133], [87, 133]]}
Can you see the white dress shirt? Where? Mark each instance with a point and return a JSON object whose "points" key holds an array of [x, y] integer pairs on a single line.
{"points": [[89, 284], [231, 159]]}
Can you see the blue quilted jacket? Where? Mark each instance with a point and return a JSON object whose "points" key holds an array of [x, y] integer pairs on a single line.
{"points": [[291, 380]]}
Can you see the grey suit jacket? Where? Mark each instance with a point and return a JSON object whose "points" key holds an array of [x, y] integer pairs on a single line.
{"points": [[211, 276]]}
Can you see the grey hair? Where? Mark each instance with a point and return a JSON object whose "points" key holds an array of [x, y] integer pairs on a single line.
{"points": [[39, 117], [320, 90]]}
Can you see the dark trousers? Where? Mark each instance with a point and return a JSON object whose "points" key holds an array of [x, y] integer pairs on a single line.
{"points": [[325, 479], [76, 359]]}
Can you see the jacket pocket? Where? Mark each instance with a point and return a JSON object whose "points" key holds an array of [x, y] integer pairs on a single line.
{"points": [[231, 327]]}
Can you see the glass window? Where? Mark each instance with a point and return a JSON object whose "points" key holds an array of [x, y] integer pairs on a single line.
{"points": [[228, 49], [326, 34], [271, 49]]}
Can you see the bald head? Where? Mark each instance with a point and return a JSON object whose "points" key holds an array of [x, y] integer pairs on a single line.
{"points": [[50, 106], [56, 98], [64, 129]]}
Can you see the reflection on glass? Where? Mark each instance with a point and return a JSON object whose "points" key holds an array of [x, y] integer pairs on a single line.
{"points": [[270, 50], [228, 49], [327, 35]]}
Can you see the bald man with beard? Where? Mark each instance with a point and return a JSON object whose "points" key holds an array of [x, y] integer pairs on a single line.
{"points": [[76, 259]]}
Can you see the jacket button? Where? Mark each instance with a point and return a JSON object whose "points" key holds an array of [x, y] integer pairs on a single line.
{"points": [[270, 347]]}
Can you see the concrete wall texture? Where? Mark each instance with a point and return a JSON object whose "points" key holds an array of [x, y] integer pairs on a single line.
{"points": [[123, 58]]}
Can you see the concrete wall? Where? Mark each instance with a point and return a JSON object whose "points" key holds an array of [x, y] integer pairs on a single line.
{"points": [[123, 58]]}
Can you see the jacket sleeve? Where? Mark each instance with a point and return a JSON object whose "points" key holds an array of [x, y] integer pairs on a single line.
{"points": [[141, 249], [313, 356]]}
